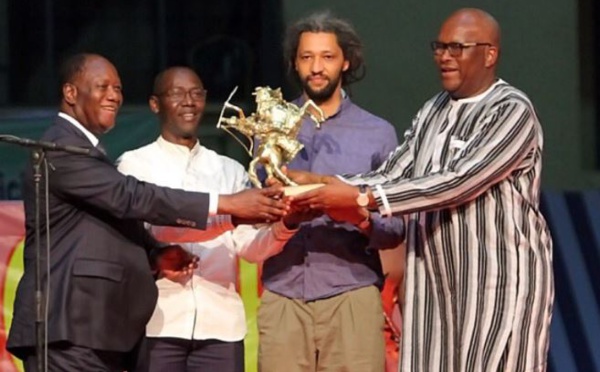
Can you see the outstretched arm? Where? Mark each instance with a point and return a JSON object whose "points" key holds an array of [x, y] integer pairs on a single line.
{"points": [[508, 141]]}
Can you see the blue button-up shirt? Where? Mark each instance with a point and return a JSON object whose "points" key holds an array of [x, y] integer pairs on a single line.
{"points": [[326, 258]]}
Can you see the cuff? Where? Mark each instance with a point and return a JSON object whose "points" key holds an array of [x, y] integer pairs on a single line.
{"points": [[223, 222], [213, 203], [382, 201], [281, 232]]}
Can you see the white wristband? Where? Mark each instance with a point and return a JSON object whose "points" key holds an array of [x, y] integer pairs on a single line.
{"points": [[387, 210]]}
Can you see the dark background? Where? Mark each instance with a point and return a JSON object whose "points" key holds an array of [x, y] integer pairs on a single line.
{"points": [[224, 41]]}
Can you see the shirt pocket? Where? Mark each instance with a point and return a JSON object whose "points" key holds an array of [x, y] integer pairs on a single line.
{"points": [[445, 153], [455, 148], [98, 269]]}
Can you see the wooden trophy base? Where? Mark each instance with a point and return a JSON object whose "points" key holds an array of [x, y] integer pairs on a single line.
{"points": [[296, 190]]}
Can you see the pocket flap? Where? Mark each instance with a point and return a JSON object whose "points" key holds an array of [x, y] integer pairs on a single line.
{"points": [[96, 268], [456, 143]]}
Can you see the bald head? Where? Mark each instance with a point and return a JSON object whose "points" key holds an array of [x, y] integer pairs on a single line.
{"points": [[466, 52], [178, 100], [478, 20]]}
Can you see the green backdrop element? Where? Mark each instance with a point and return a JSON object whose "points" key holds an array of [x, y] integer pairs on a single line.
{"points": [[249, 289]]}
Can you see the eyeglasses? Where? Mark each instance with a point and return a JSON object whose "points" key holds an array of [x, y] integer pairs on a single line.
{"points": [[178, 95], [454, 49]]}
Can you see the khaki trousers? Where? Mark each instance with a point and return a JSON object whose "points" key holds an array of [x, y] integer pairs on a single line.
{"points": [[341, 333]]}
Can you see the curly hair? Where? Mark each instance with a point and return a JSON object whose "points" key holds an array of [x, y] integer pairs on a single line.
{"points": [[347, 39]]}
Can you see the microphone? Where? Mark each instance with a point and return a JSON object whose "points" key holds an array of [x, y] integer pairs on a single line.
{"points": [[48, 146]]}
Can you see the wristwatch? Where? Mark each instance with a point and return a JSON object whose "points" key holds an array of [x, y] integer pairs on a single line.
{"points": [[363, 196]]}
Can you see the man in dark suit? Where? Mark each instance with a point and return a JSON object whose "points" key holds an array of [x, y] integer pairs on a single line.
{"points": [[101, 290]]}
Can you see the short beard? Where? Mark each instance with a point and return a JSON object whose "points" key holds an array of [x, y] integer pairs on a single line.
{"points": [[322, 95]]}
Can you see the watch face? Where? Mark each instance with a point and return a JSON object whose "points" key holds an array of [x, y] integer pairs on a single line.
{"points": [[362, 200]]}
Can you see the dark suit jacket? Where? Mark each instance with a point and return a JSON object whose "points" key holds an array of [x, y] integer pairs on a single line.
{"points": [[102, 292]]}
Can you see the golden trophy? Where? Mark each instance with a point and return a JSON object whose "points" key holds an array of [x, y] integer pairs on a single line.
{"points": [[275, 124]]}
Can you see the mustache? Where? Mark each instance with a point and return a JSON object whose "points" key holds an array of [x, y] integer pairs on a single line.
{"points": [[319, 75]]}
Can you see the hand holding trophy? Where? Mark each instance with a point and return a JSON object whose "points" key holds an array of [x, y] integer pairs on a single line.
{"points": [[275, 124]]}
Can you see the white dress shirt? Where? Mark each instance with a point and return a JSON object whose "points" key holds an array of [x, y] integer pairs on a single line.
{"points": [[90, 136], [207, 306]]}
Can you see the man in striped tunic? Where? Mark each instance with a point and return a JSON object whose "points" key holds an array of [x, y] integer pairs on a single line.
{"points": [[479, 282]]}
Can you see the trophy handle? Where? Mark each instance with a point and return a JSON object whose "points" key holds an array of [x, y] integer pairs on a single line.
{"points": [[224, 127], [250, 149], [225, 105], [317, 120]]}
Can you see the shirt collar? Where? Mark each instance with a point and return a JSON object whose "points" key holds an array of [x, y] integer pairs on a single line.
{"points": [[480, 96], [344, 105], [90, 136], [175, 148]]}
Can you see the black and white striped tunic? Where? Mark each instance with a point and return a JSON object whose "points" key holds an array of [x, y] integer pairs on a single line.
{"points": [[479, 281]]}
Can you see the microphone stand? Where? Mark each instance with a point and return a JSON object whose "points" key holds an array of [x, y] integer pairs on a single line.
{"points": [[39, 158], [43, 145]]}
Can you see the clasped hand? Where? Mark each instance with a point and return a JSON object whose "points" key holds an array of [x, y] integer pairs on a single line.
{"points": [[174, 263], [255, 205], [336, 198]]}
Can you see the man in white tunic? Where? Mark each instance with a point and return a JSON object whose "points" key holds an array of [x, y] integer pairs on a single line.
{"points": [[479, 281], [199, 322]]}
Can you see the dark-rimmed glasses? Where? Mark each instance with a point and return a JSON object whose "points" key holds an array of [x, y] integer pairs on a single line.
{"points": [[178, 95], [454, 49]]}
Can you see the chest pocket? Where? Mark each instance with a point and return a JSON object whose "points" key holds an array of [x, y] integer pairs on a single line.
{"points": [[445, 151], [455, 147]]}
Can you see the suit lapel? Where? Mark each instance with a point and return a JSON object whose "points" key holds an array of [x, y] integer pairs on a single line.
{"points": [[79, 139]]}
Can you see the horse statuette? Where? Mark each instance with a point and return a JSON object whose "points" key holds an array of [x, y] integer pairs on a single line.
{"points": [[275, 124]]}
